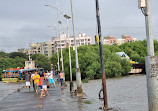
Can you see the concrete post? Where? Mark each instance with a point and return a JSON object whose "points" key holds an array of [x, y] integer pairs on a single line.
{"points": [[78, 73], [150, 45], [152, 82], [151, 63]]}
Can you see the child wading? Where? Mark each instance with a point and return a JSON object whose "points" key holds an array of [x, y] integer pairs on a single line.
{"points": [[44, 88]]}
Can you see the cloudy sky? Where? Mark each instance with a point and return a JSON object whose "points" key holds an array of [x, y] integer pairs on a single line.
{"points": [[26, 21]]}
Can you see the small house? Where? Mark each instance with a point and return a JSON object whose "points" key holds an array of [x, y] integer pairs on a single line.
{"points": [[123, 55]]}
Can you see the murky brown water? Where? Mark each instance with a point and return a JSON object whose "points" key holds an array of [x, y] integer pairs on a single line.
{"points": [[124, 94]]}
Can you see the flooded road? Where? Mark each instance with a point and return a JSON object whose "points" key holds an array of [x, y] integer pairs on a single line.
{"points": [[8, 88], [124, 94]]}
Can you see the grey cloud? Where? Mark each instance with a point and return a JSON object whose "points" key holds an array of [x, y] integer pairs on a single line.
{"points": [[25, 21]]}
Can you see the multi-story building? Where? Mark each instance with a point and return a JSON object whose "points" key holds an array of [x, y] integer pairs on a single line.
{"points": [[82, 39], [110, 40], [47, 48], [35, 48]]}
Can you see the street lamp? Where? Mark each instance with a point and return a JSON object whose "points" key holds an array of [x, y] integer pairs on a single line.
{"points": [[59, 23], [61, 12], [67, 20], [151, 61], [78, 73], [56, 47]]}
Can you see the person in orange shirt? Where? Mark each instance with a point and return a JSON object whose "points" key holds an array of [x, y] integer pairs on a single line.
{"points": [[44, 88], [40, 82]]}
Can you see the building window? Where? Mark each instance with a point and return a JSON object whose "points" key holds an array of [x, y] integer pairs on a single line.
{"points": [[88, 39], [128, 40]]}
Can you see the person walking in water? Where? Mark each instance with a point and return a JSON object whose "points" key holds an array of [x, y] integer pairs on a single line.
{"points": [[44, 88], [61, 76], [40, 82], [27, 78], [33, 74], [50, 78], [36, 81]]}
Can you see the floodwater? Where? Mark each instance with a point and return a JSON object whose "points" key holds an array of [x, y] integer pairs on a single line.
{"points": [[124, 94], [8, 88]]}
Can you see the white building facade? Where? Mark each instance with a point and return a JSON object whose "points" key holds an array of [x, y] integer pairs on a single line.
{"points": [[48, 48]]}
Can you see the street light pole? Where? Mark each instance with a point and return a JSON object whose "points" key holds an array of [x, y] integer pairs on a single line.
{"points": [[58, 33], [151, 61], [57, 47], [101, 57], [78, 73], [67, 20], [59, 23], [150, 45]]}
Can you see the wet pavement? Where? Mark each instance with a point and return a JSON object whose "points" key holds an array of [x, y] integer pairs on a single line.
{"points": [[59, 99], [124, 94]]}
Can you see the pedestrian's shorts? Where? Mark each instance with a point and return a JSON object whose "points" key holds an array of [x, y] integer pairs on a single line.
{"points": [[51, 81], [28, 83], [44, 87], [40, 87]]}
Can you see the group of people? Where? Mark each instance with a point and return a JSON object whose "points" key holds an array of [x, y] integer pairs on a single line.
{"points": [[40, 82]]}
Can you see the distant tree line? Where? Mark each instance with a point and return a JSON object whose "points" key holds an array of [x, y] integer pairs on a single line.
{"points": [[89, 60], [17, 59]]}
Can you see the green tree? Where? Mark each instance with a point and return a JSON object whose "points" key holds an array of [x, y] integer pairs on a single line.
{"points": [[17, 54], [42, 61]]}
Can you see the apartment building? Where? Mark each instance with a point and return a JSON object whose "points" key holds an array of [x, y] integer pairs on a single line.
{"points": [[48, 48], [82, 39], [35, 48], [110, 40]]}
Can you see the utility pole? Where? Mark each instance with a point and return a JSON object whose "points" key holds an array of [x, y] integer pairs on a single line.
{"points": [[59, 23], [101, 57], [56, 45], [78, 73], [29, 55], [57, 49], [151, 61], [67, 21]]}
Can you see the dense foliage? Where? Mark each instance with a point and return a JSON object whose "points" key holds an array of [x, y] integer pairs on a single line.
{"points": [[138, 50], [89, 62], [17, 59], [42, 61]]}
